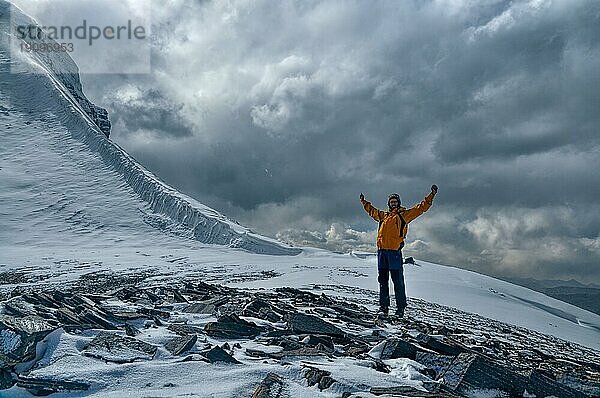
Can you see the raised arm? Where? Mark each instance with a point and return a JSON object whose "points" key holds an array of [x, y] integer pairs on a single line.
{"points": [[372, 210], [422, 207]]}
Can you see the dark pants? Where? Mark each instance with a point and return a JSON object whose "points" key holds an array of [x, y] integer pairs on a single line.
{"points": [[389, 263]]}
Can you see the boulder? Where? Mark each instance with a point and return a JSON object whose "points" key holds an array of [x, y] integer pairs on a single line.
{"points": [[119, 349], [436, 344], [409, 391], [183, 329], [309, 324], [232, 327], [270, 387], [217, 354], [312, 340], [43, 387], [393, 348], [131, 330], [262, 309], [6, 379], [472, 371], [181, 344], [435, 363], [19, 337], [18, 306], [321, 378], [319, 350], [200, 308], [543, 386]]}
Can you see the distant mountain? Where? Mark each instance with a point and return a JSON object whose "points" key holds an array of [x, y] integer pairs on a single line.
{"points": [[570, 291]]}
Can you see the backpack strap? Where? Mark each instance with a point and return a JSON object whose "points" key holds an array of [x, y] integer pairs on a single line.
{"points": [[402, 222]]}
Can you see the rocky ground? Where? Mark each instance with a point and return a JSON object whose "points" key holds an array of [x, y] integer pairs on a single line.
{"points": [[455, 353]]}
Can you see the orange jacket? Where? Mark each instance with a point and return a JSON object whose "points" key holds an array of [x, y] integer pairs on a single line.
{"points": [[393, 224]]}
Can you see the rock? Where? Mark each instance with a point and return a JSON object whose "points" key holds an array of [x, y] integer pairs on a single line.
{"points": [[68, 317], [181, 344], [543, 386], [279, 333], [154, 312], [6, 379], [98, 115], [206, 306], [393, 348], [42, 387], [257, 353], [126, 315], [232, 327], [408, 391], [438, 346], [356, 349], [97, 298], [200, 308], [119, 349], [178, 297], [49, 300], [149, 323], [472, 371], [184, 329], [217, 354], [270, 387], [310, 324], [321, 378], [19, 337], [262, 309], [287, 343], [379, 366], [131, 330], [436, 363], [20, 307], [94, 318], [312, 340], [444, 331], [357, 321], [302, 352]]}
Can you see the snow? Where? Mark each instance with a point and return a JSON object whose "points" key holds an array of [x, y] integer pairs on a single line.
{"points": [[73, 203], [40, 90]]}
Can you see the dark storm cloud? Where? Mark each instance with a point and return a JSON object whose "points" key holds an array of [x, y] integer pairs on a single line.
{"points": [[146, 110], [280, 114]]}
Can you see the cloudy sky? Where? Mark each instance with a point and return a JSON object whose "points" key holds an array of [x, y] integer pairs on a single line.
{"points": [[279, 113]]}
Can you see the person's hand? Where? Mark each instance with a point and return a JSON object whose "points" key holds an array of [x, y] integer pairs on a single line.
{"points": [[434, 189], [362, 197]]}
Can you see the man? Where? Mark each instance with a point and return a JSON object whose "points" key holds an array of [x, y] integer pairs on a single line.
{"points": [[393, 226]]}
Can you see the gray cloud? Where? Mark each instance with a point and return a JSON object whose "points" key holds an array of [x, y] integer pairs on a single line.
{"points": [[139, 110], [280, 114]]}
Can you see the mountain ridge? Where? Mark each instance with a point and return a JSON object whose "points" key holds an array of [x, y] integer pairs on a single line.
{"points": [[86, 123]]}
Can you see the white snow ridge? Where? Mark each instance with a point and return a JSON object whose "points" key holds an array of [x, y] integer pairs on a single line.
{"points": [[36, 96], [114, 284]]}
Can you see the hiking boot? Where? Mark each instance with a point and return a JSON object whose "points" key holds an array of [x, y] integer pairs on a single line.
{"points": [[383, 311], [399, 312]]}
